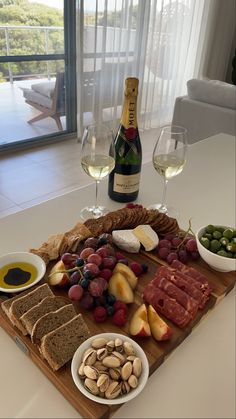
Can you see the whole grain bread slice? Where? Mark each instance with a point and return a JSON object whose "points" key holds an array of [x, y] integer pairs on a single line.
{"points": [[22, 304], [51, 321], [5, 305], [45, 306], [59, 346]]}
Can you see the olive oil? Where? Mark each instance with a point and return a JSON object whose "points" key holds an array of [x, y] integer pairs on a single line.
{"points": [[17, 274]]}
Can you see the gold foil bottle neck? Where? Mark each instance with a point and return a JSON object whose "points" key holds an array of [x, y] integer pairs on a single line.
{"points": [[131, 86]]}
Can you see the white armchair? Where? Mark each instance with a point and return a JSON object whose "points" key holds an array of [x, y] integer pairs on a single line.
{"points": [[207, 109]]}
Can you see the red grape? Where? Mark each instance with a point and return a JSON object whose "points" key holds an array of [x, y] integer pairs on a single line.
{"points": [[109, 262], [68, 258], [172, 256], [191, 245], [92, 267], [169, 236], [119, 256], [84, 254], [97, 286], [91, 242], [94, 258], [110, 249], [163, 252], [195, 255], [176, 241], [103, 252], [87, 301], [183, 256], [75, 292], [164, 243], [106, 274], [74, 278]]}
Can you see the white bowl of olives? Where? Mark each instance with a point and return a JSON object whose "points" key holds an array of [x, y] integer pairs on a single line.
{"points": [[217, 247]]}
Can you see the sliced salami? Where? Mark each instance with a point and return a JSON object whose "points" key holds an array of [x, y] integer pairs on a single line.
{"points": [[165, 305], [182, 283], [174, 292], [190, 274]]}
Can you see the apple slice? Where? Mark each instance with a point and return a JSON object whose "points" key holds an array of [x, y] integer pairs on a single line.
{"points": [[139, 323], [127, 273], [56, 277], [120, 288], [159, 329]]}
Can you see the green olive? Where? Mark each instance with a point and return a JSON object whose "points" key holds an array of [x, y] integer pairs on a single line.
{"points": [[205, 242], [222, 253], [208, 236], [231, 247], [224, 241], [215, 246], [210, 228], [217, 234], [228, 233]]}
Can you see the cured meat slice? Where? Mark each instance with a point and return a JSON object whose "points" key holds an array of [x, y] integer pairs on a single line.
{"points": [[196, 278], [165, 305], [182, 283], [174, 292], [192, 272]]}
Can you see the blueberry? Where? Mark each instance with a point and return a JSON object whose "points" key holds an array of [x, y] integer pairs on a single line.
{"points": [[84, 283], [80, 262], [88, 275], [102, 241], [145, 268], [110, 310], [110, 299]]}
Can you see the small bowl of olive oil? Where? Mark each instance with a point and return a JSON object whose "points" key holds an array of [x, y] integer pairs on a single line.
{"points": [[20, 270]]}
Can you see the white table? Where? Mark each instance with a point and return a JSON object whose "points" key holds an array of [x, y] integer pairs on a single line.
{"points": [[198, 379]]}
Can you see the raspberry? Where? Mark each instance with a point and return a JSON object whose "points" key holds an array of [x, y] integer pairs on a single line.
{"points": [[130, 205], [136, 268], [100, 314], [119, 305], [119, 318]]}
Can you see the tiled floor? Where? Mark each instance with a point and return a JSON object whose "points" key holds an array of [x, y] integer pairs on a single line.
{"points": [[36, 175]]}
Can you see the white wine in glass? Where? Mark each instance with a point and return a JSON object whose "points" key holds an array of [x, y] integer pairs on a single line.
{"points": [[169, 157], [97, 162]]}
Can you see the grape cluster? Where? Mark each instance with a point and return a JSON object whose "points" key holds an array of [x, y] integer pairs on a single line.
{"points": [[89, 274], [182, 247]]}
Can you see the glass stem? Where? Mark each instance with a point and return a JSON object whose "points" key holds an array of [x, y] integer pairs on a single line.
{"points": [[96, 196], [163, 201]]}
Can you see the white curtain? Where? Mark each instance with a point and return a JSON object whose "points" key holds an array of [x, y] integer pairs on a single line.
{"points": [[158, 41]]}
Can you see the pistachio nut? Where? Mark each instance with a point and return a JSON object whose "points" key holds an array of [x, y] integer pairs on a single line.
{"points": [[99, 343], [91, 386], [113, 390], [126, 371]]}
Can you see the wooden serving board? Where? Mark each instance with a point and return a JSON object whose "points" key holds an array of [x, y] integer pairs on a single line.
{"points": [[156, 351]]}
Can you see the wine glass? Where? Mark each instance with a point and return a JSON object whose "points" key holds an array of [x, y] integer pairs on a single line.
{"points": [[169, 157], [97, 149]]}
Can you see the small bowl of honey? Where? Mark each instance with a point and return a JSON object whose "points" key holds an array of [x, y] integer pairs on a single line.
{"points": [[20, 270]]}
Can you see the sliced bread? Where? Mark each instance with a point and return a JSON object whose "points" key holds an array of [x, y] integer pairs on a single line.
{"points": [[59, 346], [45, 306], [6, 305], [51, 321], [22, 304]]}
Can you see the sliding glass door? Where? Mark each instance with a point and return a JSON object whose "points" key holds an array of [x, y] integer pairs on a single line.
{"points": [[37, 70]]}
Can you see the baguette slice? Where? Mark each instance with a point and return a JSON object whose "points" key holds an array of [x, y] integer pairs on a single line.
{"points": [[25, 303], [51, 321], [59, 346], [45, 306]]}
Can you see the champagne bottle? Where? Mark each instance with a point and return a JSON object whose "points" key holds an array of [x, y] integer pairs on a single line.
{"points": [[124, 179]]}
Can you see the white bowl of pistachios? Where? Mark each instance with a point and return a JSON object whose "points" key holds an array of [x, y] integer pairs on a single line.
{"points": [[110, 368]]}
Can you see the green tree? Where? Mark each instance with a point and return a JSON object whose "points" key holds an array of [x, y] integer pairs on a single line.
{"points": [[28, 41]]}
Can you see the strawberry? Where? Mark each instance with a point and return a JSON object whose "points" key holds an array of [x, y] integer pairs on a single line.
{"points": [[119, 318]]}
